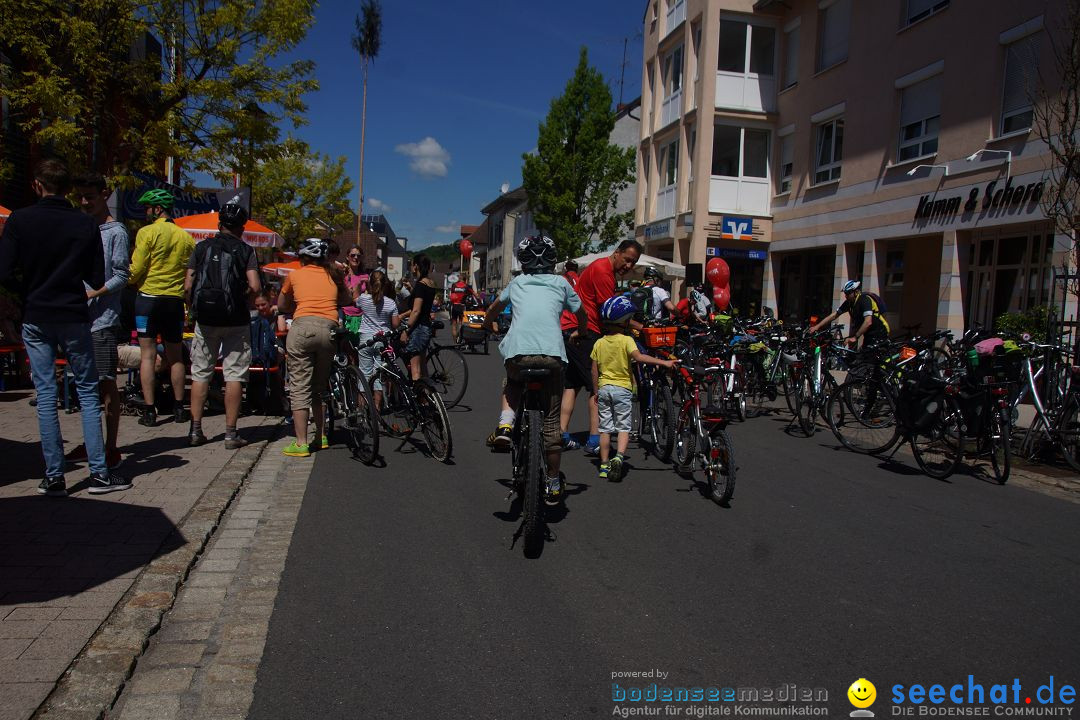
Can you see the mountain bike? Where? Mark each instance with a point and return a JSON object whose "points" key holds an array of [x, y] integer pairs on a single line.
{"points": [[655, 414], [528, 457], [447, 370], [701, 436], [407, 405], [348, 403], [816, 381]]}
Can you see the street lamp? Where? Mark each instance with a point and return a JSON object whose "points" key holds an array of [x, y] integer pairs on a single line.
{"points": [[916, 169], [1008, 158]]}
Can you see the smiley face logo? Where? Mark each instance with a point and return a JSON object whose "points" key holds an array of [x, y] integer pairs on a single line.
{"points": [[862, 693]]}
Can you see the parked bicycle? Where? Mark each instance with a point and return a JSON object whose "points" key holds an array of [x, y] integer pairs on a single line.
{"points": [[348, 402], [447, 370], [702, 441]]}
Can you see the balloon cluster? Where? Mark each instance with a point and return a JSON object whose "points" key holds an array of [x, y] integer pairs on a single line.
{"points": [[466, 248], [719, 274]]}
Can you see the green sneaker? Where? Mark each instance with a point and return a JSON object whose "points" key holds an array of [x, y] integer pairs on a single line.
{"points": [[604, 469], [295, 449], [615, 468], [325, 443]]}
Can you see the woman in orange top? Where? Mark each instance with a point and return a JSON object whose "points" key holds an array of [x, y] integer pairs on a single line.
{"points": [[313, 295]]}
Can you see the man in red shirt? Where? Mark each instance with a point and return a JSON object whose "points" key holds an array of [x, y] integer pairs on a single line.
{"points": [[458, 292], [595, 285]]}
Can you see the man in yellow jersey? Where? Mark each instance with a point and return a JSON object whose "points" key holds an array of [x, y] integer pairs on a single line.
{"points": [[158, 268]]}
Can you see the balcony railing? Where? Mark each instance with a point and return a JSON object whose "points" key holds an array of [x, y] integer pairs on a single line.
{"points": [[748, 195], [739, 91], [671, 110], [676, 16], [665, 203]]}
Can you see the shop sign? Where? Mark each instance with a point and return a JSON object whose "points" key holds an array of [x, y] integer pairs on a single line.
{"points": [[736, 228], [733, 253], [659, 230], [993, 196]]}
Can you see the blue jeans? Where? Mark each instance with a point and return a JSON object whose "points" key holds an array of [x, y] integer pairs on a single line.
{"points": [[41, 342]]}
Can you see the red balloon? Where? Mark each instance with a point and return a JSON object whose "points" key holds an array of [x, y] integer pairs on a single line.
{"points": [[466, 249], [718, 272], [721, 297]]}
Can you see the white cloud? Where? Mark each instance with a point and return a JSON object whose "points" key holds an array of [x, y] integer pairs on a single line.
{"points": [[450, 227], [378, 205], [429, 158]]}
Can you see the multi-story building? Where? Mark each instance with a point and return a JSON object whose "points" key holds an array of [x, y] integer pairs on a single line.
{"points": [[888, 141]]}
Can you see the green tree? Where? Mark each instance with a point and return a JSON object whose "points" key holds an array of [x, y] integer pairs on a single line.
{"points": [[366, 41], [298, 190], [212, 100], [576, 174]]}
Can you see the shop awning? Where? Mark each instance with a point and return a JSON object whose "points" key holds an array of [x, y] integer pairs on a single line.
{"points": [[205, 225]]}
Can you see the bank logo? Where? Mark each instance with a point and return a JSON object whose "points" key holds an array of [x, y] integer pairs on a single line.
{"points": [[862, 695], [737, 228]]}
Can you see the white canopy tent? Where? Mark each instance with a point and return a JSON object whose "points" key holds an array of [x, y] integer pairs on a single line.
{"points": [[666, 268]]}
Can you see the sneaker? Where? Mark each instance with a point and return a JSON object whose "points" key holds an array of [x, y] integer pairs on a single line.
{"points": [[196, 438], [113, 458], [53, 487], [181, 414], [604, 469], [500, 440], [571, 444], [78, 454], [591, 449], [615, 468], [554, 490], [294, 449], [235, 442], [324, 442], [149, 417], [108, 482]]}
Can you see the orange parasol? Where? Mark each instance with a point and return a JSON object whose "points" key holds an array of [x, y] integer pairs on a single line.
{"points": [[281, 268], [4, 212], [205, 225]]}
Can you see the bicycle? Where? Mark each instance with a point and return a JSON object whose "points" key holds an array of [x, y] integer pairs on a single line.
{"points": [[815, 381], [701, 434], [656, 410], [348, 403], [1057, 422], [447, 370], [528, 457], [409, 405]]}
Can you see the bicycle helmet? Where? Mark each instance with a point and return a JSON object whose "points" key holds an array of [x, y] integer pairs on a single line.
{"points": [[852, 286], [157, 196], [652, 273], [232, 215], [537, 254], [314, 247], [617, 309]]}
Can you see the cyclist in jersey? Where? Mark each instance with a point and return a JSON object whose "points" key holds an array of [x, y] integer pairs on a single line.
{"points": [[700, 306], [460, 291], [661, 304], [866, 316]]}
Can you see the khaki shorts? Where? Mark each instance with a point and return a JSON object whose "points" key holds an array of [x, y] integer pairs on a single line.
{"points": [[550, 393], [231, 344], [311, 350]]}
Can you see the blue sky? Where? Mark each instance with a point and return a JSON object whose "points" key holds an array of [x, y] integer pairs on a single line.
{"points": [[455, 96]]}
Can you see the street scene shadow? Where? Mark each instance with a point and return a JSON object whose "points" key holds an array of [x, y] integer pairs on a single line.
{"points": [[56, 547], [22, 461]]}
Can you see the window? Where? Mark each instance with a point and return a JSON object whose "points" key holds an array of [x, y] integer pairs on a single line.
{"points": [[919, 9], [673, 72], [735, 37], [834, 29], [829, 151], [786, 164], [791, 56], [671, 164], [1021, 72], [920, 118], [734, 145]]}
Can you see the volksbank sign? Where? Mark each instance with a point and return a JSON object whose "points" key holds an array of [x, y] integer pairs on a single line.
{"points": [[994, 196]]}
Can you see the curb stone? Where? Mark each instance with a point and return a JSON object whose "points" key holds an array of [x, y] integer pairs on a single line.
{"points": [[96, 677]]}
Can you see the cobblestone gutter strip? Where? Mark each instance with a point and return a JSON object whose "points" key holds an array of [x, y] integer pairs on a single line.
{"points": [[95, 679]]}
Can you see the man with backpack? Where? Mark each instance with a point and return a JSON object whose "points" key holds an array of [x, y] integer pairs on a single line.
{"points": [[867, 315], [221, 275]]}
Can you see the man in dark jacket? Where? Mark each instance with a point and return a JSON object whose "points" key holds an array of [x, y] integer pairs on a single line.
{"points": [[47, 252]]}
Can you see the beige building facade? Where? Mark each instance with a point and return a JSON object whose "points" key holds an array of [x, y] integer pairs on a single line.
{"points": [[813, 141]]}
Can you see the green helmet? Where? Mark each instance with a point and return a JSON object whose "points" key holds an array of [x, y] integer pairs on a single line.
{"points": [[157, 196]]}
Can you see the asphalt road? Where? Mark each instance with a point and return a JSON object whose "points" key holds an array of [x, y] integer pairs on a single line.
{"points": [[403, 596]]}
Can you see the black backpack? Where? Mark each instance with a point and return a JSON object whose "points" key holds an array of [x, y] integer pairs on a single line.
{"points": [[220, 285]]}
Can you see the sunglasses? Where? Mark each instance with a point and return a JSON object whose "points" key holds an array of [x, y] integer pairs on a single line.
{"points": [[355, 255]]}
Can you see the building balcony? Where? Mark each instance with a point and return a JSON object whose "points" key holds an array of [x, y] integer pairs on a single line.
{"points": [[676, 16], [671, 110], [740, 195], [740, 91]]}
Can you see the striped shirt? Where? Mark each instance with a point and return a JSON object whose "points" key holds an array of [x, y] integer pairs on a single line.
{"points": [[375, 319]]}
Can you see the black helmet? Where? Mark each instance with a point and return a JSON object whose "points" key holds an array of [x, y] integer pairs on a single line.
{"points": [[232, 215], [652, 273], [536, 254]]}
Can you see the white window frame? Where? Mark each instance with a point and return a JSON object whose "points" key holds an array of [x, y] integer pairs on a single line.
{"points": [[742, 152], [790, 54], [823, 12], [1026, 33], [832, 168], [669, 70], [673, 18], [748, 48], [915, 87], [667, 152], [786, 152], [916, 10]]}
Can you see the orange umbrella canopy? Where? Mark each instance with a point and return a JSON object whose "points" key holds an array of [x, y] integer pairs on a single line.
{"points": [[281, 268], [4, 212], [205, 225]]}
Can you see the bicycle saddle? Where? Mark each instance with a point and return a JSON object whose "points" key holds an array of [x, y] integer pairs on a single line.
{"points": [[529, 372]]}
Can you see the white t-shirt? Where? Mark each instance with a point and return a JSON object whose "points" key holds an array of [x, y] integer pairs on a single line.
{"points": [[659, 297], [700, 303]]}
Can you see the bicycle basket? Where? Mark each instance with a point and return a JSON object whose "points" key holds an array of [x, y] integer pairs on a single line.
{"points": [[919, 404], [658, 337]]}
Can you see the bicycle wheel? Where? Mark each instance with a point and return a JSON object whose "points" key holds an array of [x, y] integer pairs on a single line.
{"points": [[360, 423], [395, 417], [791, 379], [862, 416], [939, 449], [755, 393], [720, 466], [1069, 432], [433, 422], [1000, 444], [662, 421], [685, 444], [738, 391], [448, 371], [532, 503]]}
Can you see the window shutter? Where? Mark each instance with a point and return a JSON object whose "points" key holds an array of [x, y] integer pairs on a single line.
{"points": [[836, 29], [918, 7], [921, 101], [791, 58], [1021, 71]]}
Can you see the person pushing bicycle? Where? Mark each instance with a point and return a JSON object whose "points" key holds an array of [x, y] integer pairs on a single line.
{"points": [[867, 318], [535, 340]]}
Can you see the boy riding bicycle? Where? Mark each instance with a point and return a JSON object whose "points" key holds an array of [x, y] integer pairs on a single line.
{"points": [[535, 341]]}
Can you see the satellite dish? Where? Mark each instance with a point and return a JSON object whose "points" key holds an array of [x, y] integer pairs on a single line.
{"points": [[504, 188]]}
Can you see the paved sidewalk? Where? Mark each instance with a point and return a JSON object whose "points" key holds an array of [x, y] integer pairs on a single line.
{"points": [[66, 563], [203, 663]]}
